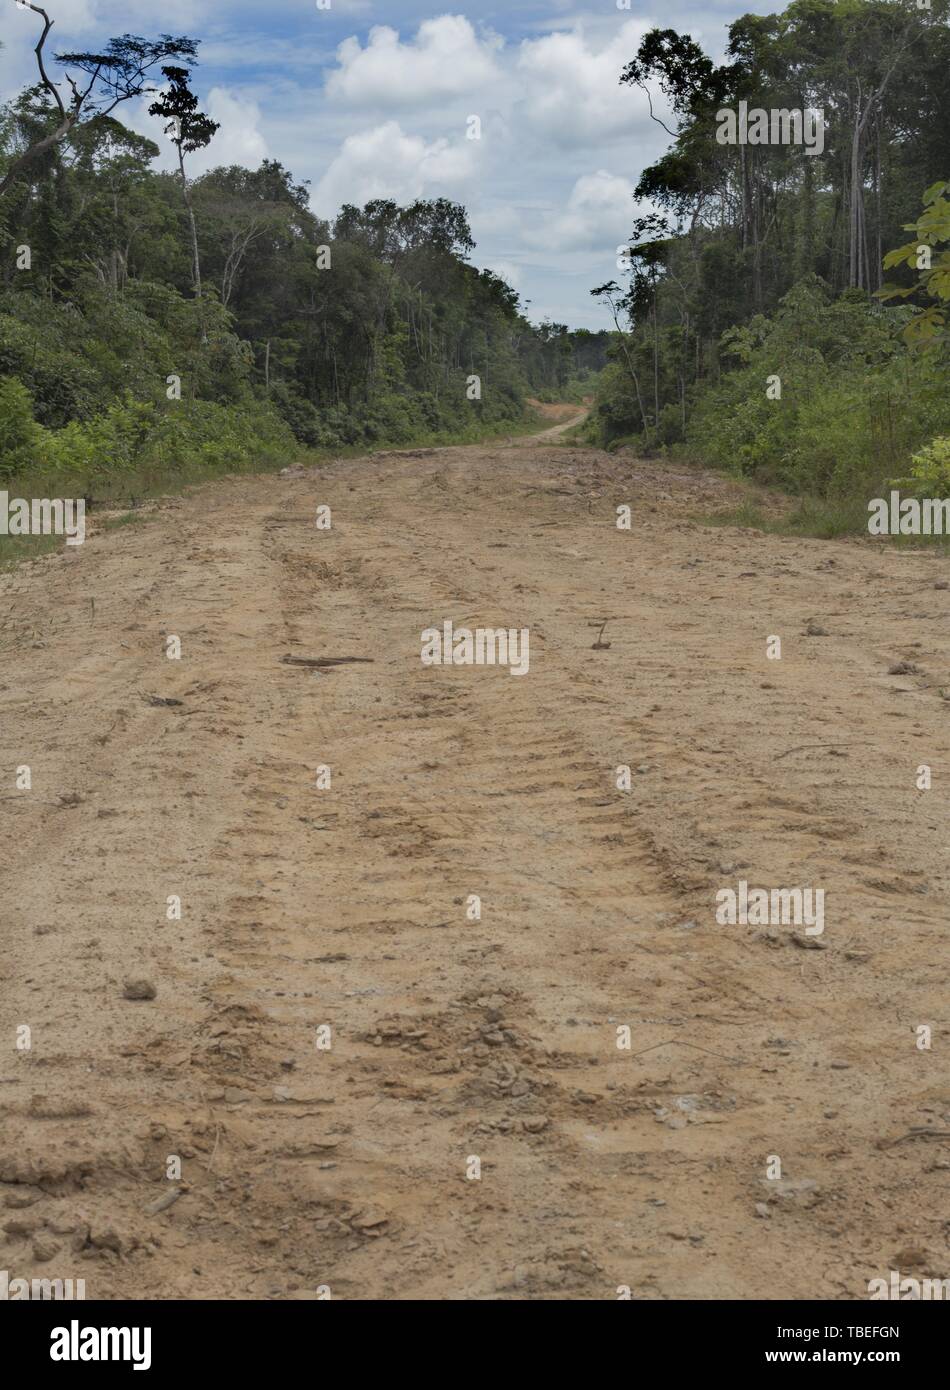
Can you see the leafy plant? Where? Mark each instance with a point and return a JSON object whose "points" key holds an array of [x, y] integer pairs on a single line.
{"points": [[932, 229]]}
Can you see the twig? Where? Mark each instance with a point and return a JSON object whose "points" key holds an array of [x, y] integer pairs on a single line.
{"points": [[323, 660], [217, 1136], [918, 1132], [167, 1199], [683, 1043], [855, 743]]}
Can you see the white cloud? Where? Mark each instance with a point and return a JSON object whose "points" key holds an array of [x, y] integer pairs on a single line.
{"points": [[572, 88], [446, 60], [383, 113], [512, 274], [597, 216], [387, 163], [239, 141]]}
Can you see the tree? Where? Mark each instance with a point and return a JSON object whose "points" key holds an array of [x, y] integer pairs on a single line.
{"points": [[190, 130], [114, 76], [931, 230], [612, 295]]}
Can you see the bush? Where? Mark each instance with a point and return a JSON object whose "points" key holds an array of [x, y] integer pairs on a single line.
{"points": [[21, 438], [930, 470], [183, 436], [853, 408]]}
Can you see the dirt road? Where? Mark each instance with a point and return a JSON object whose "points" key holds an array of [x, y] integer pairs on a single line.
{"points": [[349, 907]]}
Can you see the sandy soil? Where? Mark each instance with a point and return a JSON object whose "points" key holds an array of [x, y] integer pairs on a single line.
{"points": [[348, 1167]]}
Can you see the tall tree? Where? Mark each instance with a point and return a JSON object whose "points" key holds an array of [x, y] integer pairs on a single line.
{"points": [[189, 129], [114, 76]]}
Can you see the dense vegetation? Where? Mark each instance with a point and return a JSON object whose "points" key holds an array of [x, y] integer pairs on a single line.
{"points": [[153, 324], [760, 332]]}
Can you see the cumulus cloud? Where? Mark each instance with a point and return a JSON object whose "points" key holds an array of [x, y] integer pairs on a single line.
{"points": [[383, 113], [598, 215], [239, 140], [445, 60], [385, 162], [573, 95]]}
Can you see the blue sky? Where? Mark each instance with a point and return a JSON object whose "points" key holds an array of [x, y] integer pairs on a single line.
{"points": [[369, 99]]}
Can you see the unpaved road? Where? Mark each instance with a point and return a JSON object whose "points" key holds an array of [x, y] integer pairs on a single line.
{"points": [[451, 1039]]}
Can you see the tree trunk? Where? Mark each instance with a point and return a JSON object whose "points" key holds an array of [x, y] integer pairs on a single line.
{"points": [[186, 193]]}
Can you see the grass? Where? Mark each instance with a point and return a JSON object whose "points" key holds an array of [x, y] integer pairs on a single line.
{"points": [[13, 549], [823, 518], [113, 523], [808, 516], [131, 488]]}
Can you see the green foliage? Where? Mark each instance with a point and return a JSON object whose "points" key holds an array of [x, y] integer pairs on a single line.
{"points": [[365, 331], [930, 470], [853, 405], [144, 438], [766, 260], [21, 438], [932, 229]]}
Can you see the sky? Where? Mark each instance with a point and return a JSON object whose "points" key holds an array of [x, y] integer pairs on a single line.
{"points": [[375, 98]]}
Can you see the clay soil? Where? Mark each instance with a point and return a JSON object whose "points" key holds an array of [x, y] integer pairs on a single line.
{"points": [[351, 1167]]}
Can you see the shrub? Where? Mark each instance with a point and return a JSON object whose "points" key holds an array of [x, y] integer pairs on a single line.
{"points": [[930, 470], [21, 438]]}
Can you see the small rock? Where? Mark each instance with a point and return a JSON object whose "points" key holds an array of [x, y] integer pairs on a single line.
{"points": [[24, 1198], [166, 1200], [138, 989], [910, 1258], [761, 1209], [63, 1225], [44, 1248], [371, 1223], [791, 1187], [22, 1225], [106, 1238]]}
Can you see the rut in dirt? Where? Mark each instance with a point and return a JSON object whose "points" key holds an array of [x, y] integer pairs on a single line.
{"points": [[447, 1012]]}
